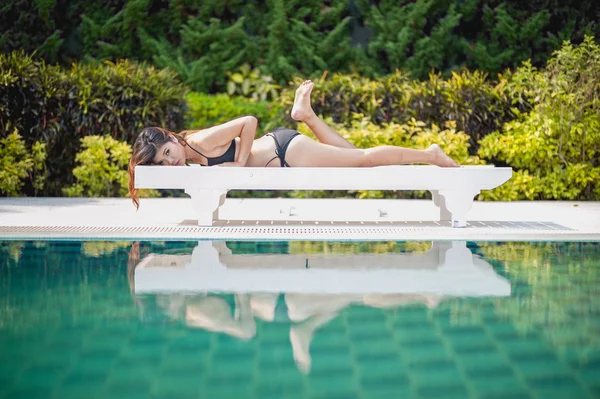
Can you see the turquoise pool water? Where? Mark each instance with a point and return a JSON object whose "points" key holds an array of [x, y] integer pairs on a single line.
{"points": [[299, 320]]}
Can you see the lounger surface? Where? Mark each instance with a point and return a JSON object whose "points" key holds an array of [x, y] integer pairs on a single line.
{"points": [[377, 178], [453, 189]]}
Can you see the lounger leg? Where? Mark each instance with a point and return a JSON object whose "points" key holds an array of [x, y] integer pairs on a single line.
{"points": [[206, 204], [454, 254], [206, 255], [457, 203], [440, 202]]}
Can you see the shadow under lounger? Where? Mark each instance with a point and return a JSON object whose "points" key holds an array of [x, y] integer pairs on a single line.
{"points": [[453, 189]]}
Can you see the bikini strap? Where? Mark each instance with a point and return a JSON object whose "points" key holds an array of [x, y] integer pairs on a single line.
{"points": [[196, 151], [279, 151], [184, 135], [272, 159]]}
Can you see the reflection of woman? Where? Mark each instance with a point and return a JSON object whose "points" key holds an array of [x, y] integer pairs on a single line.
{"points": [[214, 314], [305, 312]]}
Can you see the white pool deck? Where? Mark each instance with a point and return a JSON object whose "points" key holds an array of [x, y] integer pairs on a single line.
{"points": [[294, 219]]}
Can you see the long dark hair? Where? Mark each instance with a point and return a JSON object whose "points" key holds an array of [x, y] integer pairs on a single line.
{"points": [[145, 148]]}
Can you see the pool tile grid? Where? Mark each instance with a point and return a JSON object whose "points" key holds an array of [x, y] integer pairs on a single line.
{"points": [[366, 352], [428, 359], [334, 371], [98, 357], [377, 358], [354, 342], [517, 366], [43, 362], [525, 355]]}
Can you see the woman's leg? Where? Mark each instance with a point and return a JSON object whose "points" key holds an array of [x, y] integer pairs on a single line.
{"points": [[302, 111], [305, 152], [300, 337], [327, 155], [214, 314], [263, 305]]}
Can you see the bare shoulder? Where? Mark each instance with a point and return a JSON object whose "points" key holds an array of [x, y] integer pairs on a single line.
{"points": [[197, 138], [222, 134]]}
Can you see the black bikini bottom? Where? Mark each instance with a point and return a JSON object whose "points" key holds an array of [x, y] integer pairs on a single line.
{"points": [[282, 137]]}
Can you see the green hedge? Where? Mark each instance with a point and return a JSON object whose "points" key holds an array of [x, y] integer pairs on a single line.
{"points": [[60, 106], [554, 148], [205, 110], [20, 164], [543, 123], [101, 169], [202, 41]]}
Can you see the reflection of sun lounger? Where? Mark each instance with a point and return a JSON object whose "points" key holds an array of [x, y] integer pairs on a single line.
{"points": [[448, 268], [452, 189]]}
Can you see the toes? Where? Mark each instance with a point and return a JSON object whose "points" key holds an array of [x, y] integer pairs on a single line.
{"points": [[305, 86]]}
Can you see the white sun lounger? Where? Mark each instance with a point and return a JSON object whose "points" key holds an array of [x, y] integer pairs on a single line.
{"points": [[448, 268], [453, 189]]}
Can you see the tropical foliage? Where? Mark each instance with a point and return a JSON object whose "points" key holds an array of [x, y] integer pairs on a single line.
{"points": [[555, 147], [543, 122], [204, 41], [58, 106]]}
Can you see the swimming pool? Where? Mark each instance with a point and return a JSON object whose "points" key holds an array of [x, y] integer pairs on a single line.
{"points": [[299, 319]]}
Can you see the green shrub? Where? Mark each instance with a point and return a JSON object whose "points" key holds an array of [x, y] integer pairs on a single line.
{"points": [[123, 97], [511, 36], [17, 163], [203, 40], [32, 97], [554, 148], [207, 110], [47, 103], [282, 38], [102, 168], [207, 48], [31, 26], [476, 104], [521, 186], [252, 83]]}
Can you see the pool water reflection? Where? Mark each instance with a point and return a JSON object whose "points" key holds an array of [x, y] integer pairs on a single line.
{"points": [[299, 319]]}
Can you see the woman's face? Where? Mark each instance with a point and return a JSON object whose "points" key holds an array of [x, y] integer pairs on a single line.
{"points": [[171, 153]]}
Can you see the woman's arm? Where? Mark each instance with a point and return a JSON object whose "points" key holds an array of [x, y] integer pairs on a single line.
{"points": [[218, 136], [247, 136]]}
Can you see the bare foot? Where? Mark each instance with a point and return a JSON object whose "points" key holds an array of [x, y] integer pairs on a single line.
{"points": [[441, 159], [302, 109]]}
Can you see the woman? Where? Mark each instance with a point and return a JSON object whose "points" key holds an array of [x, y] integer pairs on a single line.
{"points": [[233, 144]]}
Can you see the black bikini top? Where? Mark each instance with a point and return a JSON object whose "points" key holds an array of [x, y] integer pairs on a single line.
{"points": [[228, 156]]}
